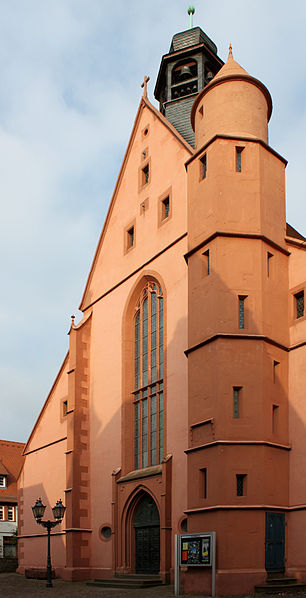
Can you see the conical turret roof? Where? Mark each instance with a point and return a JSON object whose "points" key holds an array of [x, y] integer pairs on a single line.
{"points": [[231, 71], [231, 67]]}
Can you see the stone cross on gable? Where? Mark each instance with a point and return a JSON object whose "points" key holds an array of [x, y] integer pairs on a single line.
{"points": [[144, 85]]}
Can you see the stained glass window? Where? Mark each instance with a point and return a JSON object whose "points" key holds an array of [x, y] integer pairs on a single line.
{"points": [[148, 374]]}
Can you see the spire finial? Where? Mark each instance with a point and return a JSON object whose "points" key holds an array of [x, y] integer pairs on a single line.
{"points": [[144, 85], [72, 320], [191, 11], [230, 51]]}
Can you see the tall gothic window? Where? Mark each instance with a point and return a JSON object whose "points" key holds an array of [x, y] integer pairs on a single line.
{"points": [[148, 381]]}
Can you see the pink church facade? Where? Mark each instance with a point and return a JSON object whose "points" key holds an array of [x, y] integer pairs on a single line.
{"points": [[179, 405]]}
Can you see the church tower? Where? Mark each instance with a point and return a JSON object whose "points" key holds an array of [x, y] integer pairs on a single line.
{"points": [[237, 330], [191, 63]]}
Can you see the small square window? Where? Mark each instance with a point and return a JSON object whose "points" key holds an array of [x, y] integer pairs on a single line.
{"points": [[203, 167], [2, 481], [241, 484], [299, 304]]}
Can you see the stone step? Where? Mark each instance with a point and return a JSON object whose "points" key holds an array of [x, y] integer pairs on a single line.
{"points": [[132, 582], [281, 580], [283, 588]]}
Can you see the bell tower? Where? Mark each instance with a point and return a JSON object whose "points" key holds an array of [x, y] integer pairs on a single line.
{"points": [[191, 63]]}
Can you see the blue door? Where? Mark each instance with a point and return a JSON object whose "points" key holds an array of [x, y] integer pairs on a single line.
{"points": [[275, 542]]}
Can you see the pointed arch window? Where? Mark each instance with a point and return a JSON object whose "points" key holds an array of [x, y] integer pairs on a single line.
{"points": [[148, 391]]}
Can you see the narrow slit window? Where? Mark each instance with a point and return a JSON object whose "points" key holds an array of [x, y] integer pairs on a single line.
{"points": [[65, 408], [239, 151], [203, 482], [165, 207], [269, 263], [275, 370], [237, 390], [242, 299], [299, 304], [203, 164], [130, 237], [240, 484], [275, 410], [145, 174], [206, 263]]}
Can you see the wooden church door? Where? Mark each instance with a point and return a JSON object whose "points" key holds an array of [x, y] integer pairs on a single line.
{"points": [[147, 536]]}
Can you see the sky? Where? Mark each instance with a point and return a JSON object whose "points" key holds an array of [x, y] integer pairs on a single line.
{"points": [[70, 81]]}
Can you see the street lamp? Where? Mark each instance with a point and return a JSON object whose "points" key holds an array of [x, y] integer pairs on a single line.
{"points": [[58, 514]]}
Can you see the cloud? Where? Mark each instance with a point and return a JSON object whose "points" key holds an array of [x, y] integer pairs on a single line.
{"points": [[70, 87]]}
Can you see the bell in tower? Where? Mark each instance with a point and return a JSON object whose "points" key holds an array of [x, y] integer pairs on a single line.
{"points": [[191, 63]]}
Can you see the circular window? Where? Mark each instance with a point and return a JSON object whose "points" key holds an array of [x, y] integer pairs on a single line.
{"points": [[106, 532]]}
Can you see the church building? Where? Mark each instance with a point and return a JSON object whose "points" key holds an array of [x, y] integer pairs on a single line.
{"points": [[180, 403]]}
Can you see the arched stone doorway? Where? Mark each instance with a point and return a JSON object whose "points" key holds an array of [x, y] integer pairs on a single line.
{"points": [[146, 526]]}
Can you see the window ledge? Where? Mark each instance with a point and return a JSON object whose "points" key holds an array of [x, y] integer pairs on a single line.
{"points": [[141, 473]]}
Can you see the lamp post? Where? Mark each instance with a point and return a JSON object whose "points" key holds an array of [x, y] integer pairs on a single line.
{"points": [[58, 514]]}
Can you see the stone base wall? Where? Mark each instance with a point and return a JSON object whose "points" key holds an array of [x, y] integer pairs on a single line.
{"points": [[8, 565]]}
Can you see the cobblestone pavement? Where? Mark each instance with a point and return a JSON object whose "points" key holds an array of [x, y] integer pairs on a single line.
{"points": [[13, 585]]}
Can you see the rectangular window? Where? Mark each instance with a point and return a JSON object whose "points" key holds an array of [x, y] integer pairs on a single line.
{"points": [[203, 487], [65, 407], [237, 390], [241, 484], [165, 208], [2, 481], [10, 513], [299, 304], [203, 165], [130, 237], [1, 513], [274, 418], [275, 370], [206, 262], [239, 151], [242, 299], [269, 263], [145, 171]]}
